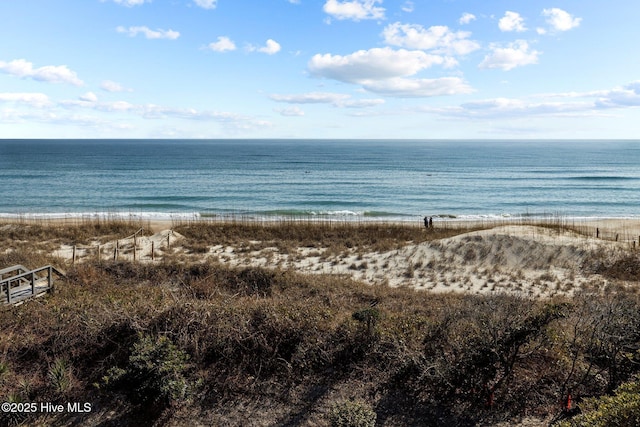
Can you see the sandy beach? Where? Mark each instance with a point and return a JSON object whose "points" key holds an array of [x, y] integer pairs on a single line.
{"points": [[536, 259]]}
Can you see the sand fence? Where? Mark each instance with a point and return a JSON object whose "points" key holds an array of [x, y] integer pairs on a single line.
{"points": [[135, 247]]}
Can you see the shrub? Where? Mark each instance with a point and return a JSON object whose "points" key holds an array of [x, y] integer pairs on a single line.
{"points": [[622, 409], [352, 414], [369, 317], [155, 372], [60, 376]]}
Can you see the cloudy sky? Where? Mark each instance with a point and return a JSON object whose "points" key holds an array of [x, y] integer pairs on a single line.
{"points": [[319, 69]]}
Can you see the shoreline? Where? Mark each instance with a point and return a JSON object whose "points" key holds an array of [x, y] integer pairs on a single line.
{"points": [[609, 228]]}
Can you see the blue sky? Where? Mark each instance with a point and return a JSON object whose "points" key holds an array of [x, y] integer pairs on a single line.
{"points": [[319, 69]]}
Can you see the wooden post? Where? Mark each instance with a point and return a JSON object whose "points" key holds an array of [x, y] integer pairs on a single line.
{"points": [[168, 242], [73, 257], [134, 249], [597, 232], [115, 251], [33, 284], [616, 237], [152, 251], [50, 279]]}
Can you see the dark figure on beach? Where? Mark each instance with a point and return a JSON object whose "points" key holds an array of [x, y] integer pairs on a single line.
{"points": [[426, 222], [430, 222]]}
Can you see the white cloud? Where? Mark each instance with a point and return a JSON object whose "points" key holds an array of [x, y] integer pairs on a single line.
{"points": [[516, 54], [466, 18], [439, 38], [311, 98], [49, 73], [559, 20], [355, 10], [270, 48], [335, 99], [231, 121], [131, 3], [290, 112], [111, 86], [148, 33], [594, 104], [89, 97], [294, 1], [512, 21], [373, 64], [108, 107], [407, 7], [38, 100], [626, 96], [224, 44], [361, 103], [591, 94], [408, 88], [505, 108], [385, 71], [206, 4]]}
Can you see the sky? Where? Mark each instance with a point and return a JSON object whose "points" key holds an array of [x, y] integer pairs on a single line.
{"points": [[433, 69]]}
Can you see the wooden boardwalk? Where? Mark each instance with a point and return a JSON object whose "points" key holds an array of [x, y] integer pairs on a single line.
{"points": [[18, 283]]}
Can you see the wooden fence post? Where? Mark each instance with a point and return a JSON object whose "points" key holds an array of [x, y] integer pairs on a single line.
{"points": [[152, 251], [73, 257]]}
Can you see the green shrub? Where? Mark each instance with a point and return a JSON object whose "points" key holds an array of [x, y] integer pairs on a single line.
{"points": [[622, 409], [369, 317], [155, 372], [60, 376], [352, 414]]}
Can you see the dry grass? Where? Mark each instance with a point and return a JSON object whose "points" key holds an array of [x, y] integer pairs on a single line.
{"points": [[334, 236], [277, 347]]}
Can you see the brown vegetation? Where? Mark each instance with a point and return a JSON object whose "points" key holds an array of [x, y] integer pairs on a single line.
{"points": [[177, 342]]}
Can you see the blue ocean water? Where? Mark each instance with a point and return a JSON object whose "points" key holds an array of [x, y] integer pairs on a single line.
{"points": [[349, 179]]}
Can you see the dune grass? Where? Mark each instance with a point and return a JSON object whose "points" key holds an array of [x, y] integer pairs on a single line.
{"points": [[182, 340]]}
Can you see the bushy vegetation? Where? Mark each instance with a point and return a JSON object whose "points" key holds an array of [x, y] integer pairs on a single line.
{"points": [[622, 409], [139, 337], [174, 343], [352, 414], [154, 373]]}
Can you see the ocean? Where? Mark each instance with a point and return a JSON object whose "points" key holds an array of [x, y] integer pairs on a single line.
{"points": [[361, 180]]}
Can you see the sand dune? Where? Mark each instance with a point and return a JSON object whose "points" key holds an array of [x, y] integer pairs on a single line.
{"points": [[523, 259]]}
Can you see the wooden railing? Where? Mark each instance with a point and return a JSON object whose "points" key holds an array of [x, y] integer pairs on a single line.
{"points": [[23, 283]]}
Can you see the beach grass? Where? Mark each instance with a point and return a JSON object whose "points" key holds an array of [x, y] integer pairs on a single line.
{"points": [[191, 338]]}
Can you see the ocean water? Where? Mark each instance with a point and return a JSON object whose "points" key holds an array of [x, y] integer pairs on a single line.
{"points": [[346, 179]]}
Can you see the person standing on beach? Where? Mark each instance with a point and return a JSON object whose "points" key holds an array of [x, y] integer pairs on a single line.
{"points": [[430, 222], [426, 222]]}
